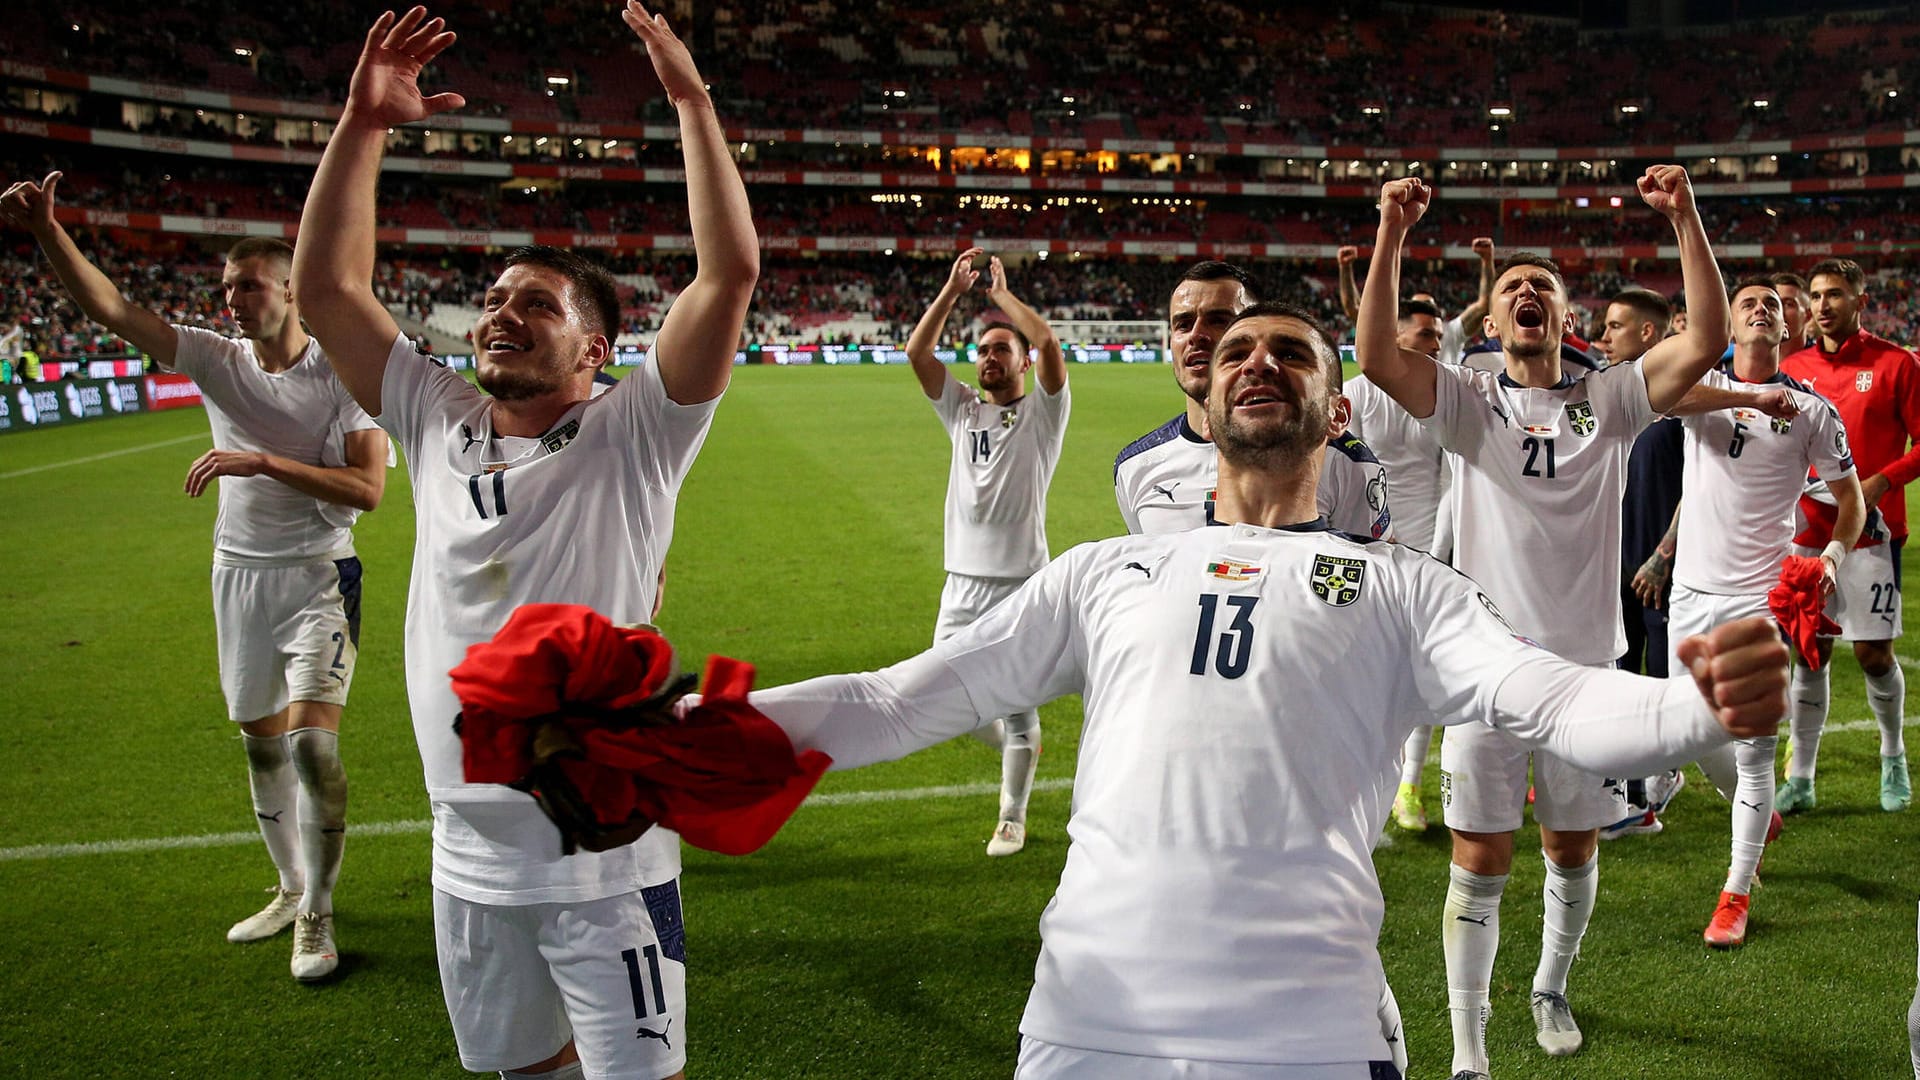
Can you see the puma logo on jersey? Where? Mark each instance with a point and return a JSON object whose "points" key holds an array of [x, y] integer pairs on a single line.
{"points": [[643, 1033], [467, 434], [1166, 489], [1142, 569]]}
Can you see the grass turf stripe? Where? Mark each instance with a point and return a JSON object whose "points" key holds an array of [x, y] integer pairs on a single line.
{"points": [[33, 852], [202, 436]]}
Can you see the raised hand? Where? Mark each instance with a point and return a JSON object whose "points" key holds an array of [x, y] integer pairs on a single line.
{"points": [[1741, 669], [964, 275], [997, 283], [386, 81], [1483, 246], [1667, 189], [1346, 255], [29, 205], [672, 63], [1402, 202]]}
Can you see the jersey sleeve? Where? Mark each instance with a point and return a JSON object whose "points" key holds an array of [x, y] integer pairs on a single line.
{"points": [[668, 434], [198, 353], [1623, 388], [1025, 651], [348, 415], [1053, 410], [1904, 469], [414, 389], [1462, 645], [1453, 341], [1827, 449], [951, 405], [1124, 495], [1457, 406]]}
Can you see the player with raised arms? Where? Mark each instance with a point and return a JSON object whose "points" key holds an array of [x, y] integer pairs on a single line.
{"points": [[297, 460], [1248, 688], [530, 489], [1540, 460]]}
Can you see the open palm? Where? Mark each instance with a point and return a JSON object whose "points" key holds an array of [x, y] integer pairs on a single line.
{"points": [[386, 82]]}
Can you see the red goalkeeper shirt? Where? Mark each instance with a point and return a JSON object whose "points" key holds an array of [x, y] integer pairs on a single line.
{"points": [[1876, 386]]}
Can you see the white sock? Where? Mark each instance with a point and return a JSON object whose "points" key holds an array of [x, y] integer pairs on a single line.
{"points": [[323, 813], [1722, 770], [1752, 811], [1913, 1030], [1414, 755], [1469, 937], [1568, 896], [275, 788], [1809, 710], [1887, 697], [1019, 758]]}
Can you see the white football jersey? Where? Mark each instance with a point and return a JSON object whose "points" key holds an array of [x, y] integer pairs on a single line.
{"points": [[1415, 465], [1003, 460], [303, 414], [1744, 475], [1539, 477], [1164, 482], [582, 515], [1247, 692]]}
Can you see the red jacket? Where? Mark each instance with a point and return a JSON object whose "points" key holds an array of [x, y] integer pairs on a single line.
{"points": [[1876, 386]]}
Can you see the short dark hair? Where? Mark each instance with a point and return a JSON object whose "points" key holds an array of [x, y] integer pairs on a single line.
{"points": [[1001, 324], [1846, 269], [262, 247], [1752, 281], [1330, 349], [1529, 258], [1646, 303], [1788, 277], [1215, 270], [1410, 308], [591, 283]]}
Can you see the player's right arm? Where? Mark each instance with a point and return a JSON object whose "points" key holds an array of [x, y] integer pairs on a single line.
{"points": [[1673, 366], [1349, 289], [333, 267], [926, 333], [1650, 581], [1477, 311], [30, 206], [1406, 376]]}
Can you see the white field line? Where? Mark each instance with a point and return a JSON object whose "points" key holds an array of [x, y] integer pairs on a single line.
{"points": [[204, 436], [37, 852]]}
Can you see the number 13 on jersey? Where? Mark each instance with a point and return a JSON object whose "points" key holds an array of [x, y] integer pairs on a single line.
{"points": [[1234, 648]]}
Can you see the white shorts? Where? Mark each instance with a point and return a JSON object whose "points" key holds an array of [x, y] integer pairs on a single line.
{"points": [[286, 633], [610, 974], [1867, 603], [1690, 612], [1046, 1061], [1483, 785], [964, 598]]}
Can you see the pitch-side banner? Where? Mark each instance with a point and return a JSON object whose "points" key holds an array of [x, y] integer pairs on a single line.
{"points": [[53, 404]]}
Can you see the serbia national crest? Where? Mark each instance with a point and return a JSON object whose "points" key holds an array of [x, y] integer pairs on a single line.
{"points": [[1580, 415], [1337, 581]]}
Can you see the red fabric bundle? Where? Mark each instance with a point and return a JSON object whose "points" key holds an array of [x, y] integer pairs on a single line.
{"points": [[1800, 607], [580, 714]]}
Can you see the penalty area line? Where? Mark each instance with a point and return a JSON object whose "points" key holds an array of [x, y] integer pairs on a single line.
{"points": [[42, 852]]}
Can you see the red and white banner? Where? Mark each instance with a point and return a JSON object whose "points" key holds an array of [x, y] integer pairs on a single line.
{"points": [[170, 391]]}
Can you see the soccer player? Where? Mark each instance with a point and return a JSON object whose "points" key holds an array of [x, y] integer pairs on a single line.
{"points": [[1799, 310], [1164, 480], [1876, 386], [1454, 332], [1537, 482], [531, 489], [1006, 443], [297, 462], [1417, 468], [1248, 688], [1744, 475], [1636, 320]]}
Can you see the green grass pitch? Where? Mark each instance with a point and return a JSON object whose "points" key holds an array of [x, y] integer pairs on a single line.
{"points": [[871, 938]]}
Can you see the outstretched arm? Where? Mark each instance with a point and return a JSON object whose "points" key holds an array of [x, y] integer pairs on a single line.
{"points": [[1673, 366], [30, 206], [359, 483], [1477, 311], [333, 264], [1406, 376], [1051, 366], [696, 343], [926, 333]]}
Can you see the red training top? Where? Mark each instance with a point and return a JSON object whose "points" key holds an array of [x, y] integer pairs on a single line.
{"points": [[1876, 386]]}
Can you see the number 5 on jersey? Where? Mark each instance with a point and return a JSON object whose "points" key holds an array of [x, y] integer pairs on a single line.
{"points": [[1234, 647]]}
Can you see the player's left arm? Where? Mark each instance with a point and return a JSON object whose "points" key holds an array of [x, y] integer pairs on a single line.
{"points": [[701, 333], [359, 483], [1050, 365], [1902, 470], [1673, 366], [1705, 398]]}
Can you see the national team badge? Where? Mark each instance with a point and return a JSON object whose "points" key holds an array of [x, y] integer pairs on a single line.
{"points": [[1008, 417], [1782, 425], [1863, 381], [1229, 570], [1337, 581], [1580, 415]]}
